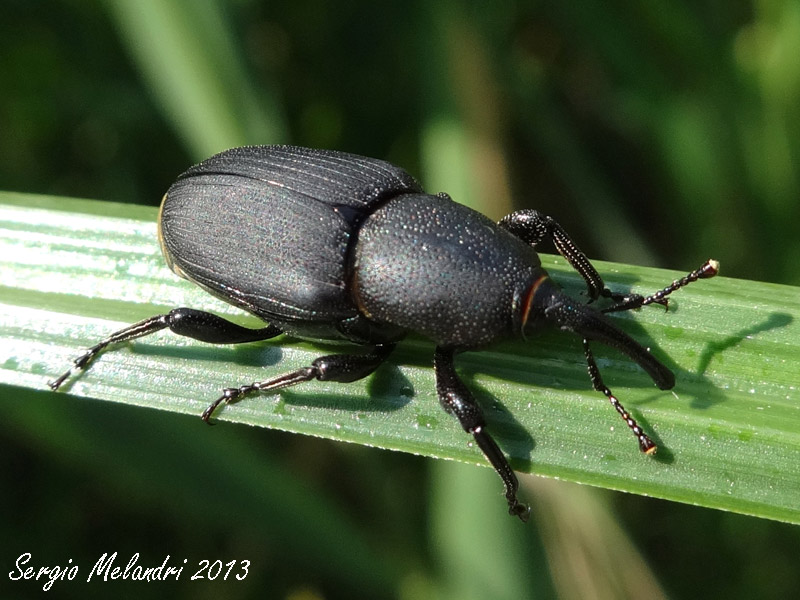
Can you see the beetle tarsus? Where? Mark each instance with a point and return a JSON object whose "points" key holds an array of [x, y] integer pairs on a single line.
{"points": [[54, 384], [79, 364], [233, 395], [139, 329], [498, 460], [518, 509]]}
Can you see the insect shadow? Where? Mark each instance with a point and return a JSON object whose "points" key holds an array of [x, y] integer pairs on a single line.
{"points": [[387, 390], [775, 320]]}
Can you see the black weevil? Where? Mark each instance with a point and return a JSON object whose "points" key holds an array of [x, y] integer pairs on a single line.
{"points": [[333, 246]]}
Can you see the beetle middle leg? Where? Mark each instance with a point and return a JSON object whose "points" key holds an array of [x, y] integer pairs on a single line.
{"points": [[196, 324], [342, 368], [458, 401]]}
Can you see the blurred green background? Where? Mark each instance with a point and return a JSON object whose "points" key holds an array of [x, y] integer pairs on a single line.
{"points": [[656, 133]]}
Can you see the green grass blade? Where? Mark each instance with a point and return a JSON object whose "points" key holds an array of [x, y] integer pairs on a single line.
{"points": [[189, 58], [729, 433]]}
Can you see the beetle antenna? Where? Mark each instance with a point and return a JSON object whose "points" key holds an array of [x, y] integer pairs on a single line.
{"points": [[709, 269]]}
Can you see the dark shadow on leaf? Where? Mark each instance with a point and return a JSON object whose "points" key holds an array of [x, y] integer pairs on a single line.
{"points": [[255, 354], [388, 390], [774, 321]]}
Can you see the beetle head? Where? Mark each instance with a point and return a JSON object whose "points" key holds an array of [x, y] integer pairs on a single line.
{"points": [[547, 304]]}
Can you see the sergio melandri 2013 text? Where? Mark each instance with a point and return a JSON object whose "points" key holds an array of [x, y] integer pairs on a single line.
{"points": [[108, 568]]}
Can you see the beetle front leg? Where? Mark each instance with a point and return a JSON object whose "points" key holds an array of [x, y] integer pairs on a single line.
{"points": [[196, 324], [458, 401], [533, 227], [342, 368]]}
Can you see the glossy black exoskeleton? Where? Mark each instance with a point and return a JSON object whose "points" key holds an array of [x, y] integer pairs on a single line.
{"points": [[332, 246]]}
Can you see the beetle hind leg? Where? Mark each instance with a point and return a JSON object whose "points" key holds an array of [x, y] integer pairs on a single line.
{"points": [[188, 322], [458, 401], [342, 368]]}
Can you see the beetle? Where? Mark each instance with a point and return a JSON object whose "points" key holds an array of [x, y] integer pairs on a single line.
{"points": [[328, 245]]}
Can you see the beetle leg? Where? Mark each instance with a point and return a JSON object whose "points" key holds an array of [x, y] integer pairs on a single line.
{"points": [[196, 324], [342, 368], [646, 445], [458, 401], [532, 227]]}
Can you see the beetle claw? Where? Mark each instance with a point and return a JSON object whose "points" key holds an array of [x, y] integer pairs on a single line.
{"points": [[518, 509]]}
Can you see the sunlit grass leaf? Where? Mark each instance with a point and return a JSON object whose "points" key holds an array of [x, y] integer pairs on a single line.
{"points": [[729, 433]]}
